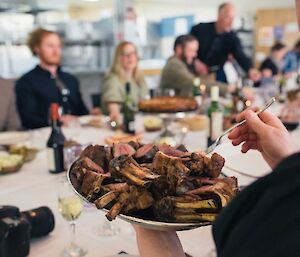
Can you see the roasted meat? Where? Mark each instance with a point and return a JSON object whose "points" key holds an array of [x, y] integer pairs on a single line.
{"points": [[201, 165], [126, 169], [187, 209], [91, 184], [98, 154], [170, 151], [127, 200], [181, 148], [215, 165], [122, 149], [220, 186], [176, 185], [146, 153], [172, 168]]}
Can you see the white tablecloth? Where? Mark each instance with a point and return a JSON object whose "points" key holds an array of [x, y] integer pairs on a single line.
{"points": [[33, 186]]}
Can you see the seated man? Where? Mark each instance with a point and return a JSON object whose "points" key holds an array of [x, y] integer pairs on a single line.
{"points": [[9, 119], [292, 58], [179, 72], [46, 84], [274, 64]]}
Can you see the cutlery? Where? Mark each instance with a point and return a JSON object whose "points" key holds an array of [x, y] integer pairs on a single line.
{"points": [[218, 140]]}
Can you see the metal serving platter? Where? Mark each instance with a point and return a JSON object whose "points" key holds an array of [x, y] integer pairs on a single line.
{"points": [[146, 223]]}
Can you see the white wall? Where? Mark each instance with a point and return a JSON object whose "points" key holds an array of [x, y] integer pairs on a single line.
{"points": [[204, 10]]}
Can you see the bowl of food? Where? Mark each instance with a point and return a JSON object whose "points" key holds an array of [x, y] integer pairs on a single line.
{"points": [[28, 153], [152, 123], [156, 186], [195, 122], [10, 163]]}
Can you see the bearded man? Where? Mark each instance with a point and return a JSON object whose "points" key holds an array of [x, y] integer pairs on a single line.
{"points": [[47, 84], [179, 73]]}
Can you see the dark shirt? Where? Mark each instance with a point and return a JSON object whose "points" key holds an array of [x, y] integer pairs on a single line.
{"points": [[264, 219], [214, 48], [269, 64], [37, 89]]}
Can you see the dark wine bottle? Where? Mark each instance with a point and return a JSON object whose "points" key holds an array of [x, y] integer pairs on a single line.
{"points": [[55, 144], [128, 112]]}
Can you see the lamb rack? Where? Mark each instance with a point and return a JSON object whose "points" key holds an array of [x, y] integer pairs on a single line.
{"points": [[125, 200], [126, 169]]}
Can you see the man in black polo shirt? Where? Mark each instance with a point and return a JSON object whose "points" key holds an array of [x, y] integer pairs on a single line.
{"points": [[46, 84], [217, 41]]}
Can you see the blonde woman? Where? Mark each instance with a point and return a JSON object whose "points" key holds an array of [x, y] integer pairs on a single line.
{"points": [[124, 69]]}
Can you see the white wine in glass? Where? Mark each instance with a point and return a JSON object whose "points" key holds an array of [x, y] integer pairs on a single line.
{"points": [[70, 207]]}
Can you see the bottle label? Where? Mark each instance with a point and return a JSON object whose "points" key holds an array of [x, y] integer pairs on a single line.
{"points": [[131, 126], [198, 100], [51, 158], [216, 124]]}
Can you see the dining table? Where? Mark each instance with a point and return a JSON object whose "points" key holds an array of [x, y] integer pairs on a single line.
{"points": [[33, 186]]}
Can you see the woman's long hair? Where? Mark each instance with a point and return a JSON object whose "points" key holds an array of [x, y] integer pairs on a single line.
{"points": [[117, 68]]}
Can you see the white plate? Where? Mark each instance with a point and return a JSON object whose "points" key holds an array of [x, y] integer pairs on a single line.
{"points": [[13, 137], [250, 164], [155, 225]]}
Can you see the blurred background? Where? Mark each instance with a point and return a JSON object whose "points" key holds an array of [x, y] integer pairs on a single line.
{"points": [[92, 28]]}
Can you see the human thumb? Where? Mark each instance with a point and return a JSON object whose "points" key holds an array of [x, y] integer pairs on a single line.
{"points": [[254, 122]]}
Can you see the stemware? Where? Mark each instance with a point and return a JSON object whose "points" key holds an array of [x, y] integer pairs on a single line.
{"points": [[70, 206]]}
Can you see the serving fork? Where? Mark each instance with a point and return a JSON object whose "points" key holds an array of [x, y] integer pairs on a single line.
{"points": [[218, 140]]}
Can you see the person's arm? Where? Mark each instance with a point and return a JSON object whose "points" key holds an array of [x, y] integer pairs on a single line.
{"points": [[153, 243], [243, 60], [12, 117], [112, 96], [200, 67], [27, 106], [264, 133], [238, 53], [114, 111]]}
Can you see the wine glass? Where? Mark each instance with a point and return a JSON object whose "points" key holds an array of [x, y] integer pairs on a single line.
{"points": [[70, 207], [70, 155], [107, 229]]}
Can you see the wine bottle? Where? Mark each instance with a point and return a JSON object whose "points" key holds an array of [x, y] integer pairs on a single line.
{"points": [[215, 114], [196, 91], [128, 112], [281, 84], [55, 144]]}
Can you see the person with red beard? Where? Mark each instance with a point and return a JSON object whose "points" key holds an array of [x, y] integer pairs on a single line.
{"points": [[46, 84]]}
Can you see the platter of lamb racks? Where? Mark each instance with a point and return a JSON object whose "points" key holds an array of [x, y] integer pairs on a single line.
{"points": [[156, 186]]}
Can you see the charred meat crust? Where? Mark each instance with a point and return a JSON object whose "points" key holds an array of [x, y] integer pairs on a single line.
{"points": [[178, 186]]}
